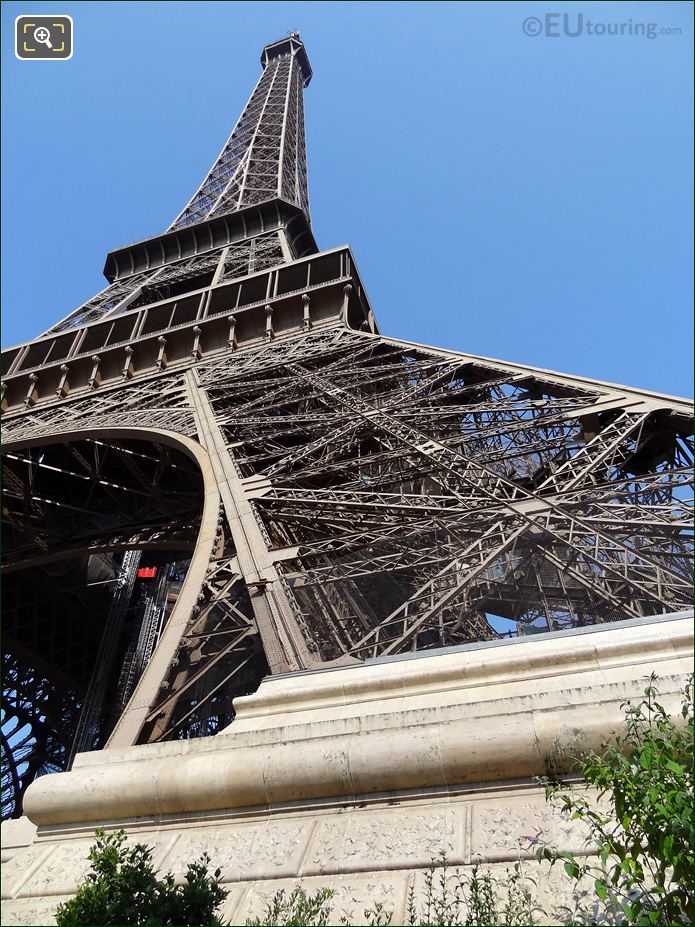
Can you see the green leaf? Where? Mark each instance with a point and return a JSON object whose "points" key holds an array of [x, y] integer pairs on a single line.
{"points": [[572, 870], [601, 889], [675, 767]]}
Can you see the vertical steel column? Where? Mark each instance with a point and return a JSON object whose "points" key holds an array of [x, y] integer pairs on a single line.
{"points": [[284, 644]]}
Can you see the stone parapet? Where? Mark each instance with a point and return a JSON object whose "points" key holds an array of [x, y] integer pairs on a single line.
{"points": [[357, 777]]}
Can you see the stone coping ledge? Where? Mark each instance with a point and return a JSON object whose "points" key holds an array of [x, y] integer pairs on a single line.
{"points": [[541, 656], [493, 714], [504, 642]]}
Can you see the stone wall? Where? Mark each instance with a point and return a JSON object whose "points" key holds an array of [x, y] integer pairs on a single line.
{"points": [[356, 778]]}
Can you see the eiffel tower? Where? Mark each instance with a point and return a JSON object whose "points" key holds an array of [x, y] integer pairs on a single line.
{"points": [[218, 468]]}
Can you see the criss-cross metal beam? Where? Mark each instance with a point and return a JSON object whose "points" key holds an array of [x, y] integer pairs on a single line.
{"points": [[301, 489]]}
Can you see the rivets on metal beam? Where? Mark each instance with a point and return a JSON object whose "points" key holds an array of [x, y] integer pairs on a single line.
{"points": [[64, 385], [197, 352], [95, 376], [161, 361], [232, 340], [32, 393], [128, 367], [306, 302]]}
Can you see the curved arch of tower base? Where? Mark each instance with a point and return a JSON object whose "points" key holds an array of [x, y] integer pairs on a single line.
{"points": [[375, 498], [218, 470]]}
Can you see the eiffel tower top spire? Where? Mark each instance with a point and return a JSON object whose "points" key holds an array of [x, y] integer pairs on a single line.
{"points": [[265, 156], [255, 199]]}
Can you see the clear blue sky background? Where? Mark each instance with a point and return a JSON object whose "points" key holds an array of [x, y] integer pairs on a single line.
{"points": [[515, 197]]}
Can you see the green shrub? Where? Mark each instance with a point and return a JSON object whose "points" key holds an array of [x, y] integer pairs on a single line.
{"points": [[645, 837], [643, 829], [122, 888], [296, 909], [475, 900], [447, 898]]}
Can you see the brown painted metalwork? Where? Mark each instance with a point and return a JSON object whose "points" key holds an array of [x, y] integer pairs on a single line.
{"points": [[304, 489]]}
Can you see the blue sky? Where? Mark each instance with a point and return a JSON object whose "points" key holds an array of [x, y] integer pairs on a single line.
{"points": [[514, 196]]}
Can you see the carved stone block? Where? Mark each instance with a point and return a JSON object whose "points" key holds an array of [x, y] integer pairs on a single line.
{"points": [[388, 839]]}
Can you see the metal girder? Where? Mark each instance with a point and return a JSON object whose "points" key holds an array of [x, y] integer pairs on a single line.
{"points": [[219, 656], [278, 624], [309, 490], [364, 472], [265, 156], [62, 500], [37, 729]]}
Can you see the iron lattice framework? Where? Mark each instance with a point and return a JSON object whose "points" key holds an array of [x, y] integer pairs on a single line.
{"points": [[219, 468]]}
